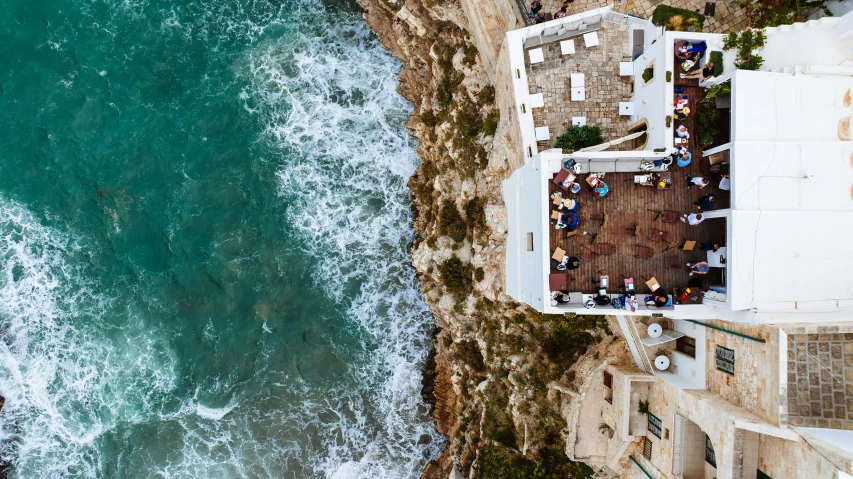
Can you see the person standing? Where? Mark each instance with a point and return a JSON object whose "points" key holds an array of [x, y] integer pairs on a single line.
{"points": [[706, 201], [698, 267], [535, 7], [699, 181], [692, 219]]}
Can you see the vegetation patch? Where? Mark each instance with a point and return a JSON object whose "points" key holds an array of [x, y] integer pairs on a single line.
{"points": [[577, 137], [745, 44], [457, 277], [648, 74], [717, 60], [665, 16], [450, 222], [475, 211]]}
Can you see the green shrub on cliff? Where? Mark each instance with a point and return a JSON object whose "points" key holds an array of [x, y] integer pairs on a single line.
{"points": [[476, 213], [490, 124], [450, 222], [577, 137], [457, 277]]}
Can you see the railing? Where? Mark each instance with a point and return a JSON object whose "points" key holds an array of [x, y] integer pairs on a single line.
{"points": [[525, 13], [678, 446], [635, 337]]}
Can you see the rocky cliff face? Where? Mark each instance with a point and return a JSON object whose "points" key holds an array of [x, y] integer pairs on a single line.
{"points": [[498, 369]]}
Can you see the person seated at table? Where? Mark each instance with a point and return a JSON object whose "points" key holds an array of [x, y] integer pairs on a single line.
{"points": [[561, 12], [601, 298], [560, 297], [709, 246], [661, 298], [630, 302], [568, 221], [682, 132], [698, 267], [683, 158], [698, 50], [708, 71], [571, 205], [540, 17], [699, 181], [706, 201], [571, 262], [601, 189], [681, 113]]}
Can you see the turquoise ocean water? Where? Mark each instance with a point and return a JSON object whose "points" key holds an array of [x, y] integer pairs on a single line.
{"points": [[204, 224]]}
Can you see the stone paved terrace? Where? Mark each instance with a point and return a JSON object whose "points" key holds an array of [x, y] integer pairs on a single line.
{"points": [[727, 15], [604, 87], [820, 380]]}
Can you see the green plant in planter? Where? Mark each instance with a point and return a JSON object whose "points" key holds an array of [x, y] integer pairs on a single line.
{"points": [[603, 428], [668, 121], [745, 43], [717, 60], [668, 76], [648, 74], [643, 407], [577, 137]]}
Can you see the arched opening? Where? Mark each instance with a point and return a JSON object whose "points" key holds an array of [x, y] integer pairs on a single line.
{"points": [[639, 143], [693, 452]]}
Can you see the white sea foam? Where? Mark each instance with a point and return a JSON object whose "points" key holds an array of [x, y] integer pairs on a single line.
{"points": [[65, 384], [332, 108], [213, 413]]}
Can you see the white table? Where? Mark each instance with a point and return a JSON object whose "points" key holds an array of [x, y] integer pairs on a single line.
{"points": [[567, 47], [655, 330], [626, 69], [578, 94], [542, 133], [626, 108], [662, 363], [578, 120], [536, 56], [590, 39], [716, 259], [537, 100], [577, 80]]}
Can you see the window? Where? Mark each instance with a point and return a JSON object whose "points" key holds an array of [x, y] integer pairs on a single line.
{"points": [[608, 387], [529, 241], [725, 360], [655, 425], [710, 457], [686, 345], [647, 448]]}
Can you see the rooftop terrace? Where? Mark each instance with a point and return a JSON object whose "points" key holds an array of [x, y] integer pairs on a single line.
{"points": [[604, 87]]}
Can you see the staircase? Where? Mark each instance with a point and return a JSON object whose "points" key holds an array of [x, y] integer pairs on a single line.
{"points": [[632, 337]]}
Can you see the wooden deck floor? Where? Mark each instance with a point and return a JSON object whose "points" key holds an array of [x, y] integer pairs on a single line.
{"points": [[627, 206]]}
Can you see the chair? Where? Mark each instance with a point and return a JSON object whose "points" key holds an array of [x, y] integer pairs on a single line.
{"points": [[659, 236], [578, 120], [567, 47], [537, 100], [674, 262], [542, 133], [590, 39], [626, 108], [536, 56], [634, 230], [578, 94], [643, 252], [606, 249], [670, 216], [626, 69]]}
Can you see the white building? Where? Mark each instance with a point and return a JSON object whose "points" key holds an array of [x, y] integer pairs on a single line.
{"points": [[786, 256]]}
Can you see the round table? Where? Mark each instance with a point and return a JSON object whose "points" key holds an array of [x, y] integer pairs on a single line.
{"points": [[682, 43], [655, 330], [662, 363]]}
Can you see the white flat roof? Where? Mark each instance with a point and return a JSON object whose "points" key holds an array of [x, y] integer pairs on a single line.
{"points": [[790, 246]]}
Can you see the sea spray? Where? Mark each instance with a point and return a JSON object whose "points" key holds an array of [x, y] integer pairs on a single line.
{"points": [[205, 229]]}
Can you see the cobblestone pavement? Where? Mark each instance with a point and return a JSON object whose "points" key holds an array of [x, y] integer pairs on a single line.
{"points": [[820, 380], [727, 15], [604, 87]]}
